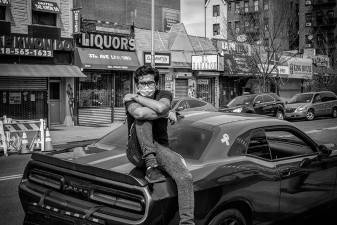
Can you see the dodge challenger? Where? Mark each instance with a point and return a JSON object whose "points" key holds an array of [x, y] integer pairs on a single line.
{"points": [[247, 169]]}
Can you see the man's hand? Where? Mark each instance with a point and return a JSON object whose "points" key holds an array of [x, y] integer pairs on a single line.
{"points": [[129, 98], [172, 116]]}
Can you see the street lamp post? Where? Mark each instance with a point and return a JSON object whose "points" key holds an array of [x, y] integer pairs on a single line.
{"points": [[152, 35]]}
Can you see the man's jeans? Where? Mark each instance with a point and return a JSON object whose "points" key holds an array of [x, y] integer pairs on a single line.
{"points": [[169, 160]]}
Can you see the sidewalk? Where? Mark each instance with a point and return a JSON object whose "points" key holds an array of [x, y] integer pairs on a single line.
{"points": [[61, 135]]}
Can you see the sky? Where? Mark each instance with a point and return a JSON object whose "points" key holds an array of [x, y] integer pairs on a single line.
{"points": [[192, 15]]}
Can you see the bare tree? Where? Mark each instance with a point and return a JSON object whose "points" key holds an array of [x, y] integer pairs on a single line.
{"points": [[269, 30]]}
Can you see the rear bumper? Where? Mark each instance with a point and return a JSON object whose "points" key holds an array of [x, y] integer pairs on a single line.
{"points": [[44, 204]]}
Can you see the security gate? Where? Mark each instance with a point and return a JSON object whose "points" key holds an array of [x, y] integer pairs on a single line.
{"points": [[205, 89], [181, 88]]}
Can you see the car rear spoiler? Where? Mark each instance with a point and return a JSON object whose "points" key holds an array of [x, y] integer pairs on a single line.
{"points": [[133, 178]]}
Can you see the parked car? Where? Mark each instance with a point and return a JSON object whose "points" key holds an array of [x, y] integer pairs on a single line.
{"points": [[247, 169], [188, 104], [312, 104], [269, 104]]}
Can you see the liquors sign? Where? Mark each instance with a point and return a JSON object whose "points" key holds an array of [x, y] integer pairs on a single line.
{"points": [[107, 41]]}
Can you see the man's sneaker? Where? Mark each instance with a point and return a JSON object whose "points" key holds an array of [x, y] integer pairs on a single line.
{"points": [[154, 175]]}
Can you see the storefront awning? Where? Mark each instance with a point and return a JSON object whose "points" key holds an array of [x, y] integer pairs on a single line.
{"points": [[44, 6], [88, 58], [26, 70], [5, 2]]}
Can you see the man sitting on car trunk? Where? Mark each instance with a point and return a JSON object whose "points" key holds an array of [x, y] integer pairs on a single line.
{"points": [[148, 145]]}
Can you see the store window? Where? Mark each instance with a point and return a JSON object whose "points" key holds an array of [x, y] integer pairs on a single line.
{"points": [[95, 90], [2, 13], [44, 18], [216, 10], [216, 29]]}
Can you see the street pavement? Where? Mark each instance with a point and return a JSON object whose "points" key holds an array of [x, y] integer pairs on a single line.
{"points": [[323, 130]]}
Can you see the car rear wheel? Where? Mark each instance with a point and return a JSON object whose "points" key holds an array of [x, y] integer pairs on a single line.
{"points": [[280, 115], [229, 217], [334, 113], [310, 114]]}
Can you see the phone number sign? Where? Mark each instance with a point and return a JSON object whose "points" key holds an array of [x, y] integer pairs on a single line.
{"points": [[26, 52]]}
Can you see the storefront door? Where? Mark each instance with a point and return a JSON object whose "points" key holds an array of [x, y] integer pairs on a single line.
{"points": [[123, 86], [54, 102], [205, 89]]}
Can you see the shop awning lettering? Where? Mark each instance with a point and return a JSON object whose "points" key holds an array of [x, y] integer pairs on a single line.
{"points": [[45, 6]]}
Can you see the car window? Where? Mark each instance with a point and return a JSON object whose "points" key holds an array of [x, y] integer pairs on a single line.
{"points": [[258, 99], [327, 96], [285, 144], [196, 103], [301, 98], [275, 96], [188, 141], [268, 98], [258, 145], [241, 100], [183, 104], [317, 98]]}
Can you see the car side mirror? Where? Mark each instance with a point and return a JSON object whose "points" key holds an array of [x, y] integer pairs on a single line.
{"points": [[324, 150], [180, 108]]}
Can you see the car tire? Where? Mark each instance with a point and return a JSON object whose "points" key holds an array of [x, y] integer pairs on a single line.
{"points": [[229, 216], [280, 115], [334, 113], [310, 115]]}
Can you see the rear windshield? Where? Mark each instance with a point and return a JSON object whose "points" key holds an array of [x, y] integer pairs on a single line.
{"points": [[188, 141], [241, 100]]}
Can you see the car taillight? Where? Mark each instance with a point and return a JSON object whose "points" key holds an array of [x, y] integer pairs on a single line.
{"points": [[45, 178], [133, 204]]}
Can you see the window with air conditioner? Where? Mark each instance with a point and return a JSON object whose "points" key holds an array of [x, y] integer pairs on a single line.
{"points": [[237, 26], [237, 7], [265, 5], [246, 6], [44, 18], [216, 10], [256, 5], [307, 2], [2, 13], [216, 29], [308, 19]]}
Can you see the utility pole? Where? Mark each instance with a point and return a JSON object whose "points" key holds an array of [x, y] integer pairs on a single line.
{"points": [[152, 35]]}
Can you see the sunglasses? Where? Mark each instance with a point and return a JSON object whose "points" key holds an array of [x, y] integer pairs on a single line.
{"points": [[148, 83]]}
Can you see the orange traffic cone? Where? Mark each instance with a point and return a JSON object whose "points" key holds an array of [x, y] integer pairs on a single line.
{"points": [[48, 145], [24, 144]]}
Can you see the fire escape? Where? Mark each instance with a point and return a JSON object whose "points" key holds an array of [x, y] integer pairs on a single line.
{"points": [[324, 23], [250, 23]]}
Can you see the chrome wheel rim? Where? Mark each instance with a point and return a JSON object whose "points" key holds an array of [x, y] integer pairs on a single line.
{"points": [[310, 115]]}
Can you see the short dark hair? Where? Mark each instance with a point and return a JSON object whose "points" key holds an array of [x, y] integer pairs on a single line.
{"points": [[145, 70]]}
